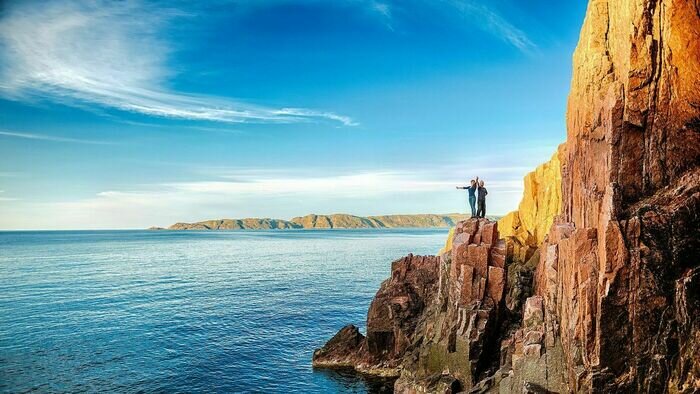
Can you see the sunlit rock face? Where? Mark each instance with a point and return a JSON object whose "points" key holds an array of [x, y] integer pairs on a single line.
{"points": [[617, 266], [526, 228]]}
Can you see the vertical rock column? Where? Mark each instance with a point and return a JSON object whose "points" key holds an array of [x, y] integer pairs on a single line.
{"points": [[460, 331], [477, 278], [628, 236]]}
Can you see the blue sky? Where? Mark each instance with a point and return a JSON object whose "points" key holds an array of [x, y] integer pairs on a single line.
{"points": [[131, 114]]}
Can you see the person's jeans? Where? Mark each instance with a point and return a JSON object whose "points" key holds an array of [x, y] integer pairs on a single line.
{"points": [[481, 212], [472, 204]]}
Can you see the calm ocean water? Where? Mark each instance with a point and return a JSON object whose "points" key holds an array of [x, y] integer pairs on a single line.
{"points": [[148, 311]]}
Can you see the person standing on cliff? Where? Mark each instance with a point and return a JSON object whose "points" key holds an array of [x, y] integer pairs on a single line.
{"points": [[482, 192], [472, 195]]}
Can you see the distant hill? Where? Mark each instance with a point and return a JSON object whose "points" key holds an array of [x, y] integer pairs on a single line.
{"points": [[326, 221]]}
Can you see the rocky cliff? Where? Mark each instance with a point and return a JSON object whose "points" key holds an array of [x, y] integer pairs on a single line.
{"points": [[616, 269], [433, 314], [312, 221], [391, 321], [616, 282]]}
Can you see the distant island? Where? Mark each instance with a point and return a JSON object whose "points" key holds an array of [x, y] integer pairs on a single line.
{"points": [[314, 221]]}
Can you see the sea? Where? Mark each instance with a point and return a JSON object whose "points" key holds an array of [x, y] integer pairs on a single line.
{"points": [[189, 311]]}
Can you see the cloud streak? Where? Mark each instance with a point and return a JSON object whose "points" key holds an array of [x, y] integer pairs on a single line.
{"points": [[492, 22], [111, 54], [44, 137], [476, 12]]}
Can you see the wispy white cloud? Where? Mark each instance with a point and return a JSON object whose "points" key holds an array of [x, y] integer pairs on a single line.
{"points": [[492, 22], [112, 54], [383, 10], [478, 13], [44, 137]]}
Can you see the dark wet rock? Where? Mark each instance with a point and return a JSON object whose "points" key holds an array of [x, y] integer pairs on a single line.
{"points": [[391, 321], [341, 350]]}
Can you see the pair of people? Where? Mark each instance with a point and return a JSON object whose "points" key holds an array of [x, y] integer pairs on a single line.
{"points": [[476, 189]]}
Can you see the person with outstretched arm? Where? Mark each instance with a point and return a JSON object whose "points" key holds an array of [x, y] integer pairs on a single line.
{"points": [[482, 192], [472, 194]]}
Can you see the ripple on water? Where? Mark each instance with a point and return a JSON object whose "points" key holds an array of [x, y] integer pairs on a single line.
{"points": [[145, 311]]}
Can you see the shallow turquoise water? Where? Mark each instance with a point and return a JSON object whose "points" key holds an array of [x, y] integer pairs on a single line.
{"points": [[148, 311]]}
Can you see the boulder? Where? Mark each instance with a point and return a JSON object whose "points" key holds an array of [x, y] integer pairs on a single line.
{"points": [[340, 351]]}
